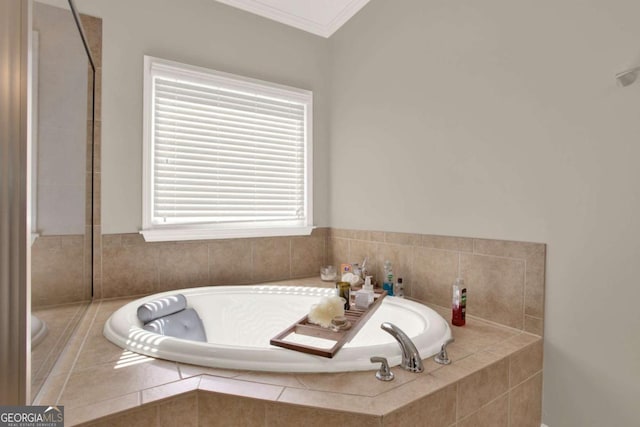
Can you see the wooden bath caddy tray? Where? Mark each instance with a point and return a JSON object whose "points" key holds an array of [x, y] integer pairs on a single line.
{"points": [[356, 316]]}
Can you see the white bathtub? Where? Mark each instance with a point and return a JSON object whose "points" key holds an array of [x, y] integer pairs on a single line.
{"points": [[240, 320]]}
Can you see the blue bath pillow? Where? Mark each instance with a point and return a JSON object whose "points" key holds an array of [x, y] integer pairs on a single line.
{"points": [[185, 324], [161, 307]]}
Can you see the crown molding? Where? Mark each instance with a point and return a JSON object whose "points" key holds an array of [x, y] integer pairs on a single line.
{"points": [[345, 14], [297, 21]]}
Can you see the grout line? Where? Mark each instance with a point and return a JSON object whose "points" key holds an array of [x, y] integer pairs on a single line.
{"points": [[506, 393], [179, 371], [209, 264], [54, 347], [527, 379], [290, 258], [197, 391], [280, 394], [524, 295], [457, 399]]}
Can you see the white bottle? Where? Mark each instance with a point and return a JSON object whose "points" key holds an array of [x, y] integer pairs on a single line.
{"points": [[364, 297]]}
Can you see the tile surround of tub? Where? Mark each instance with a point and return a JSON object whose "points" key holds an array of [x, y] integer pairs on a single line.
{"points": [[58, 271], [131, 266], [491, 364], [505, 279]]}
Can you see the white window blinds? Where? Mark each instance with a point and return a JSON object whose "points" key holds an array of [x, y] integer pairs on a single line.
{"points": [[226, 150]]}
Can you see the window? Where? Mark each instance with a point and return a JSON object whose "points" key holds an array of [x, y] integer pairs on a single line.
{"points": [[224, 156]]}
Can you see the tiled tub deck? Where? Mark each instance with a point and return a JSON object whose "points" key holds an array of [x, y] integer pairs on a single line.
{"points": [[495, 380]]}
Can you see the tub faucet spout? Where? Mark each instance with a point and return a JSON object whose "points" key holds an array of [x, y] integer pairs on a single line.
{"points": [[411, 360]]}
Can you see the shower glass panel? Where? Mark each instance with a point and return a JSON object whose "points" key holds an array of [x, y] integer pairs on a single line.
{"points": [[62, 183]]}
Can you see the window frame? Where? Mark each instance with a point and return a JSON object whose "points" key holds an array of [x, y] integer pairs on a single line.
{"points": [[198, 231]]}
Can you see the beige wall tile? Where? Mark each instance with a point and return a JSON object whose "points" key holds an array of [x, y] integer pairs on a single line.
{"points": [[98, 350], [495, 288], [98, 95], [111, 240], [482, 387], [130, 239], [533, 325], [146, 416], [401, 261], [526, 403], [525, 363], [320, 232], [403, 238], [360, 234], [129, 270], [494, 414], [323, 399], [337, 251], [93, 31], [363, 383], [273, 378], [513, 344], [240, 388], [437, 409], [462, 244], [376, 236], [433, 274], [97, 145], [187, 371], [57, 271], [216, 409], [81, 388], [165, 391], [179, 411], [510, 249], [360, 249], [339, 232], [183, 265], [103, 408], [230, 262], [271, 258], [534, 287], [307, 256], [282, 415]]}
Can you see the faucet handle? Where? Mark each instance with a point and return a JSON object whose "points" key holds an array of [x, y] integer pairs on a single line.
{"points": [[442, 357], [384, 374]]}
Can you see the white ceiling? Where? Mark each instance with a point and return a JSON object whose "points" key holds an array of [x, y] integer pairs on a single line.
{"points": [[320, 17]]}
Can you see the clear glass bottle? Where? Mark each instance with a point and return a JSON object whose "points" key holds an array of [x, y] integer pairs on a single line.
{"points": [[387, 283]]}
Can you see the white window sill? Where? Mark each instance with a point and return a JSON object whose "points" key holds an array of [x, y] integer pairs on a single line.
{"points": [[180, 234]]}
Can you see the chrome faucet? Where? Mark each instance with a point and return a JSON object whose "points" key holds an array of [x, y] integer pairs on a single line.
{"points": [[411, 360]]}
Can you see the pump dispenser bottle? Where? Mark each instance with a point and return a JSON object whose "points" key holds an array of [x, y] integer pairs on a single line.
{"points": [[459, 303], [364, 297]]}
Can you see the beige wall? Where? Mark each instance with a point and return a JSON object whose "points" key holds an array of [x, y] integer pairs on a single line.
{"points": [[502, 120], [198, 32]]}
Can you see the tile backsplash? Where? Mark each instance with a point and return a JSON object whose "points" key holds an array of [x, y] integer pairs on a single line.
{"points": [[504, 279], [131, 266]]}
